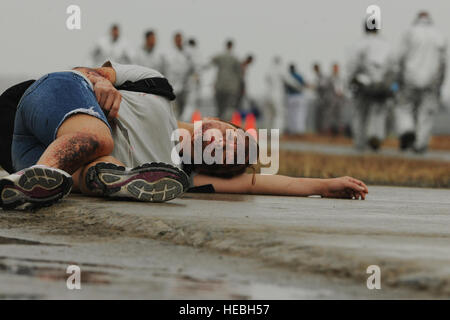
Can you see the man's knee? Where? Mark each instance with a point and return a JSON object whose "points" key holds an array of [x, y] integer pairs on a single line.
{"points": [[82, 147], [106, 145]]}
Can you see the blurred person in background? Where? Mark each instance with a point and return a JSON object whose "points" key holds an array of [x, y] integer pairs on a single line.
{"points": [[242, 103], [275, 95], [112, 47], [320, 102], [297, 108], [371, 71], [148, 56], [193, 89], [179, 69], [422, 71], [333, 122], [228, 81]]}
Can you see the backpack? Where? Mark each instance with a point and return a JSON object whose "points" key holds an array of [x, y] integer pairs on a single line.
{"points": [[8, 106], [9, 100]]}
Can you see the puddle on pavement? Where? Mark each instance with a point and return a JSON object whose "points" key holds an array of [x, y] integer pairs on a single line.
{"points": [[8, 240], [51, 273], [191, 287]]}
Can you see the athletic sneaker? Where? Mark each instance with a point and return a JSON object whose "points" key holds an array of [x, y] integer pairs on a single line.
{"points": [[39, 185], [153, 182]]}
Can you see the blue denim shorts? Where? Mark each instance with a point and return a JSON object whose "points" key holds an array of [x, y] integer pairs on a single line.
{"points": [[43, 108]]}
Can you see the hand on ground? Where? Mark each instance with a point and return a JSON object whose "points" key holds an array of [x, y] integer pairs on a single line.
{"points": [[345, 187]]}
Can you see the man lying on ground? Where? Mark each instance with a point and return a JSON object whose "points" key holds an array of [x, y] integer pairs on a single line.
{"points": [[60, 127], [101, 161]]}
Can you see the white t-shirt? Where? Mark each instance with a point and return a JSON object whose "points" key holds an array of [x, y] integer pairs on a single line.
{"points": [[145, 122], [151, 59]]}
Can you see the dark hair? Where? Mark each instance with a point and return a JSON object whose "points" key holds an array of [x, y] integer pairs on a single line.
{"points": [[149, 33], [192, 42], [225, 170], [229, 44]]}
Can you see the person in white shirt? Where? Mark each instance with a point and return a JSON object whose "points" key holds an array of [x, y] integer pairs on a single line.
{"points": [[194, 82], [179, 68], [112, 46], [148, 56], [371, 70], [422, 71], [276, 95]]}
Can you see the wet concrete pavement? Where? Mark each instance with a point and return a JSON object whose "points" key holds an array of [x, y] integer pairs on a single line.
{"points": [[439, 155], [205, 246]]}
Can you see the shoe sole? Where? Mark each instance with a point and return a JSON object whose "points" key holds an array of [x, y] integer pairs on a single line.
{"points": [[151, 182], [41, 186]]}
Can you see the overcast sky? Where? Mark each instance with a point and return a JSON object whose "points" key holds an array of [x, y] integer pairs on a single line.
{"points": [[34, 38]]}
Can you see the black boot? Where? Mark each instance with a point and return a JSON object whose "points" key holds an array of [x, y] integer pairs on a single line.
{"points": [[374, 143], [407, 140]]}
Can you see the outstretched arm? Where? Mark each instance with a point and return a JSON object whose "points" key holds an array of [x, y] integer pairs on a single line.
{"points": [[344, 187]]}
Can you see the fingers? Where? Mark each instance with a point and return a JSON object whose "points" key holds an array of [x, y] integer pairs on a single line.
{"points": [[108, 98], [356, 190], [361, 185], [107, 106], [98, 95], [113, 112]]}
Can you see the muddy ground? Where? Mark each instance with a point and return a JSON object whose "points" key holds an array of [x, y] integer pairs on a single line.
{"points": [[206, 246]]}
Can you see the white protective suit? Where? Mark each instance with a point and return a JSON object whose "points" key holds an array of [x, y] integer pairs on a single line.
{"points": [[296, 104], [371, 64], [106, 49], [276, 96], [422, 69], [151, 59], [193, 85], [179, 68]]}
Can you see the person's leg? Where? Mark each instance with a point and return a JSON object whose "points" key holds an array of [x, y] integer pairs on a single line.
{"points": [[229, 101], [79, 176], [60, 126], [425, 119], [279, 116], [376, 124], [359, 121], [404, 119], [80, 139], [220, 103], [153, 182]]}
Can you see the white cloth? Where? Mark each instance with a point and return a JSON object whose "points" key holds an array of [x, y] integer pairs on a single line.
{"points": [[145, 122], [369, 121], [106, 49], [297, 111], [423, 55], [178, 70], [193, 84], [276, 95], [415, 113], [371, 60], [151, 59]]}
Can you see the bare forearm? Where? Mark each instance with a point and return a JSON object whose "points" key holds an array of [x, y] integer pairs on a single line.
{"points": [[343, 187], [288, 186], [265, 184]]}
